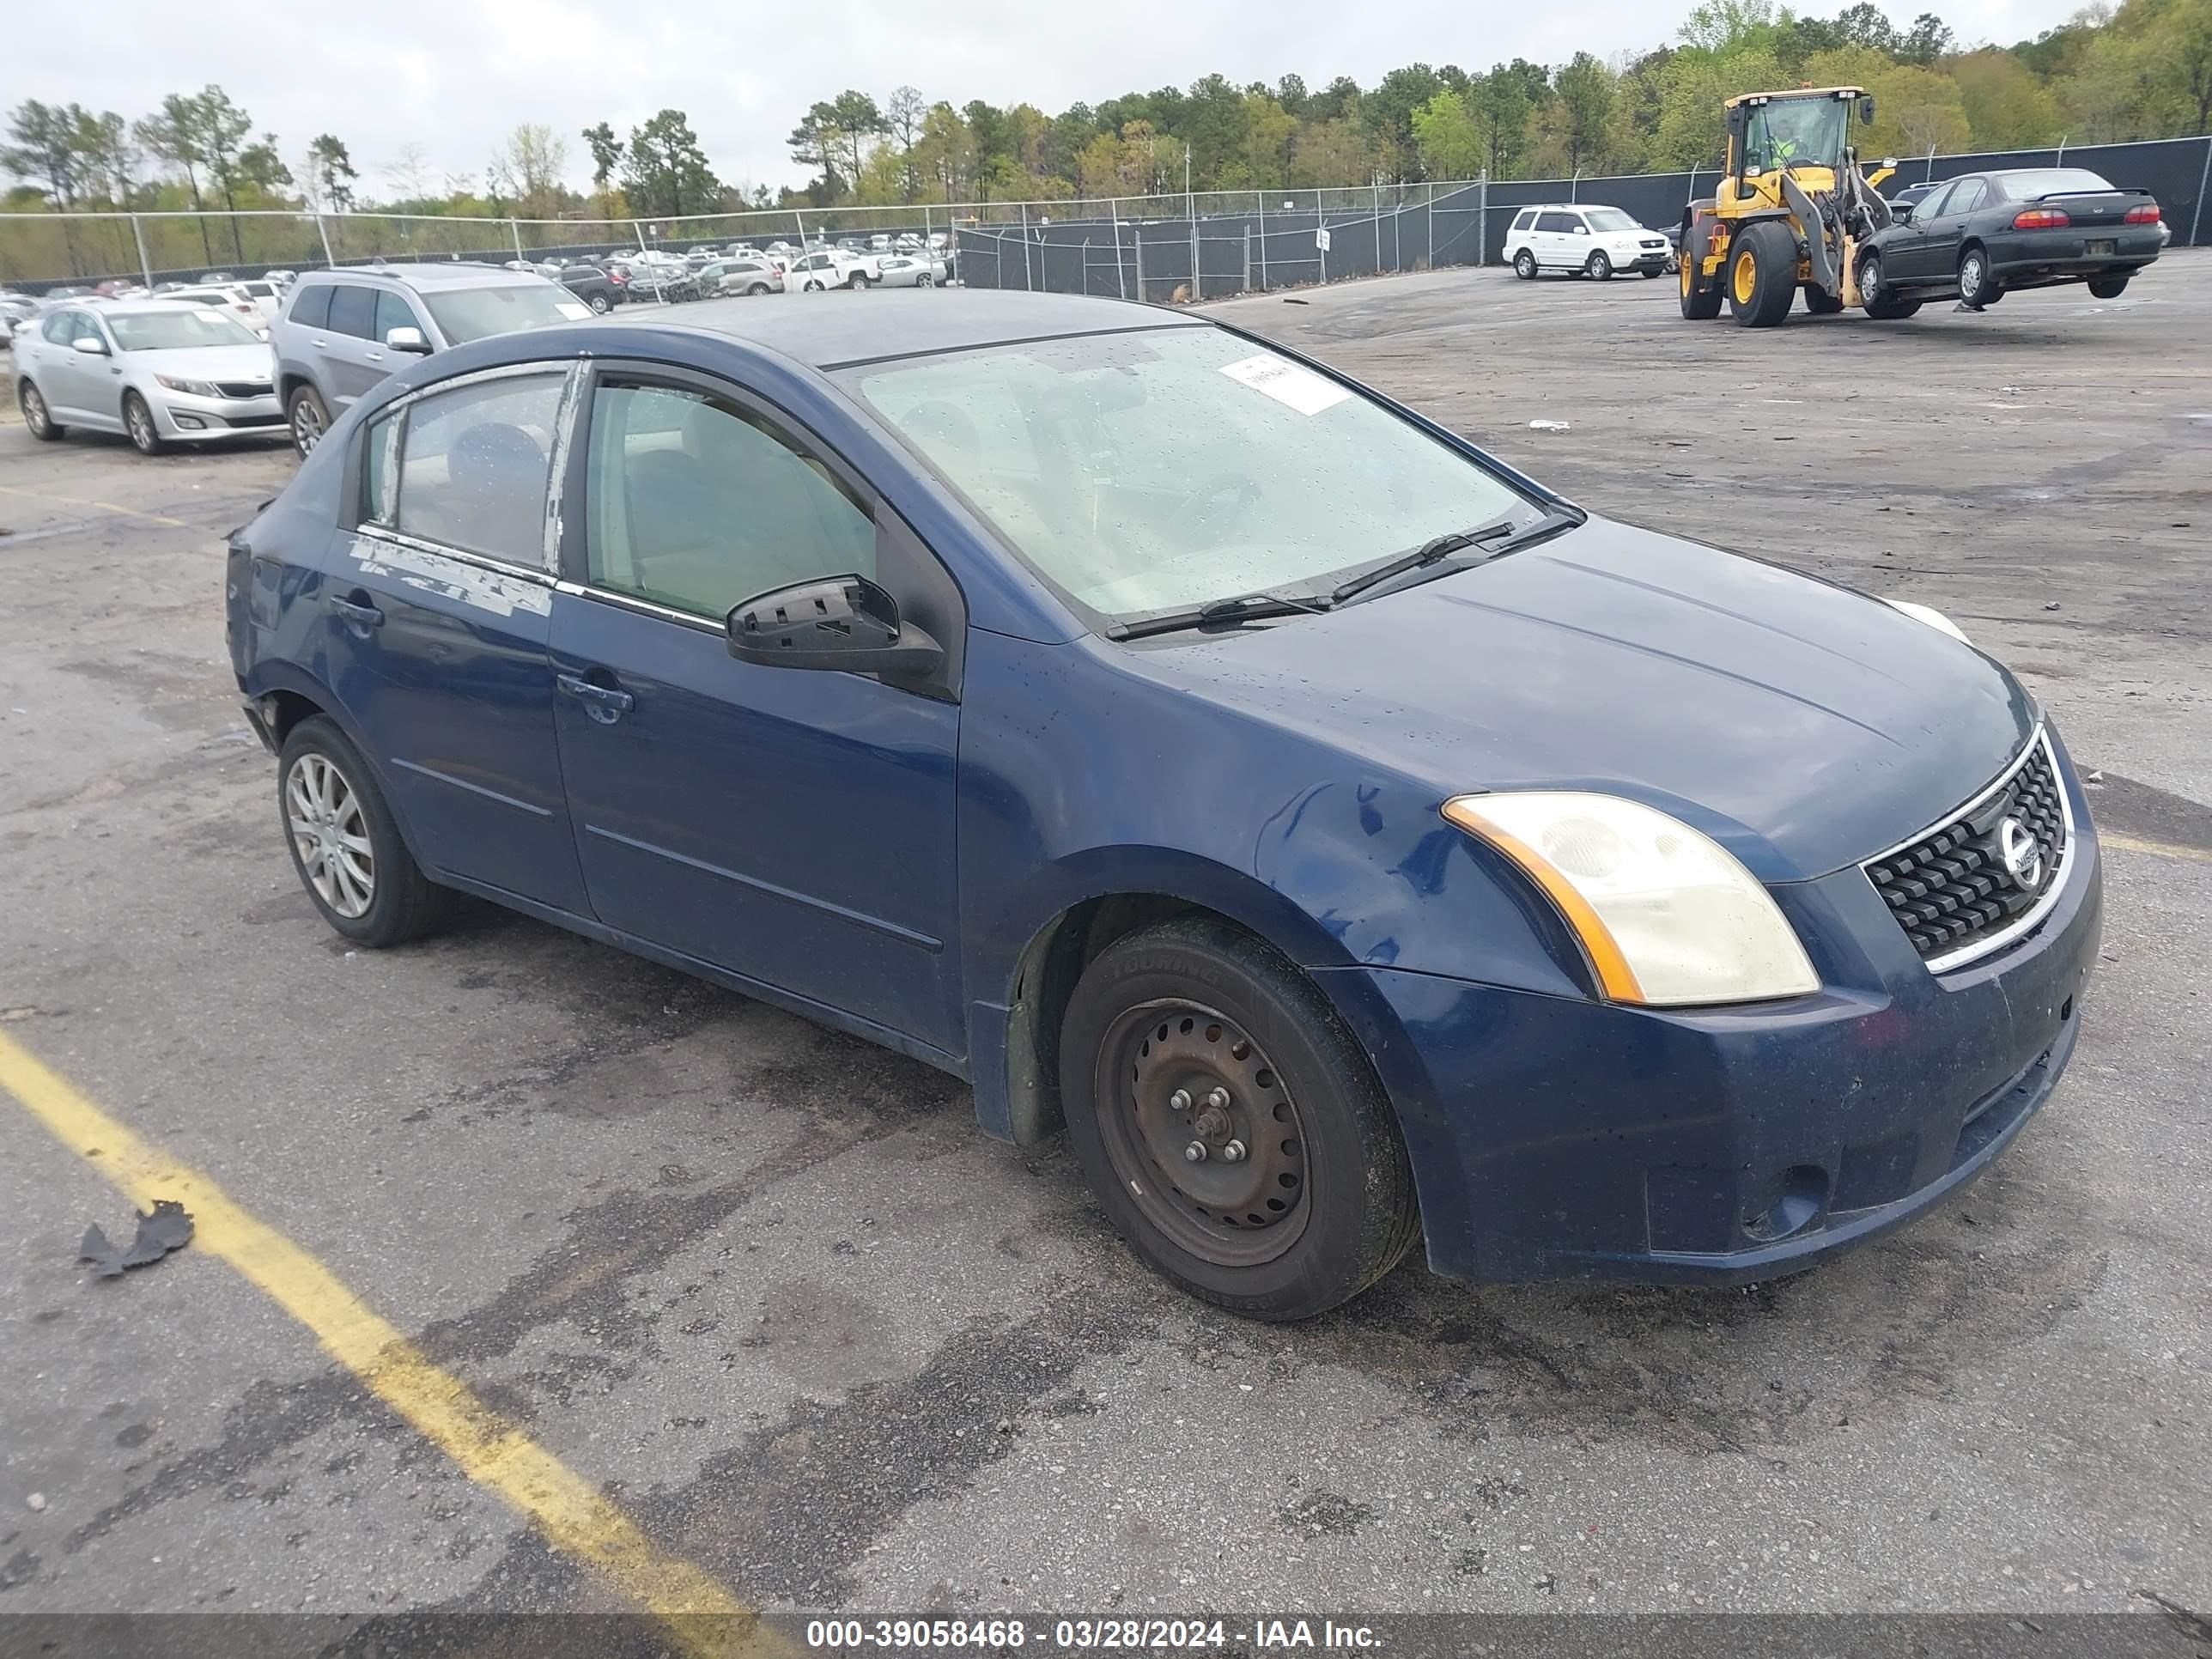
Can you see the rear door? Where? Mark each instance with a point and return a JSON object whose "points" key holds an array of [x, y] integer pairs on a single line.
{"points": [[1555, 239], [793, 827], [438, 604], [353, 357]]}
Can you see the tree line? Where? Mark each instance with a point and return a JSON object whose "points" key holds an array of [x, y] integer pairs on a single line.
{"points": [[2141, 71]]}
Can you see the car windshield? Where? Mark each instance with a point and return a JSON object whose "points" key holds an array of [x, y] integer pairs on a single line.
{"points": [[2049, 181], [177, 331], [471, 313], [1609, 219], [1156, 469], [1797, 132]]}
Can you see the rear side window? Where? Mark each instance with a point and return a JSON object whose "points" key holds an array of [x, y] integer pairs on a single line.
{"points": [[311, 305], [473, 463], [1526, 222], [353, 310]]}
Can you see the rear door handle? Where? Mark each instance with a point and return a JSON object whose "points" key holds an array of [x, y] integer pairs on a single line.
{"points": [[357, 615], [604, 703]]}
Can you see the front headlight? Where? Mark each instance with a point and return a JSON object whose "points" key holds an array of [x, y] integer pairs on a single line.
{"points": [[1664, 915], [1929, 614], [190, 388]]}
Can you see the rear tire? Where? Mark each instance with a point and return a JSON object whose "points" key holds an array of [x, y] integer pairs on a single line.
{"points": [[2109, 287], [1762, 275], [1317, 1201], [1524, 265], [599, 302], [361, 851], [1976, 288], [1599, 268], [36, 415]]}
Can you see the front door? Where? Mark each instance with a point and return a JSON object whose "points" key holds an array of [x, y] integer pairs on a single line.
{"points": [[438, 607], [1946, 227], [84, 387], [791, 827], [1909, 259]]}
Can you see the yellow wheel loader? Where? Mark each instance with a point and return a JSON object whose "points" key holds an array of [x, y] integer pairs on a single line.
{"points": [[1789, 215]]}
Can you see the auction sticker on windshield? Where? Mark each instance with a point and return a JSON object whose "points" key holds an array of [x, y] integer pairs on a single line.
{"points": [[1286, 383], [572, 310]]}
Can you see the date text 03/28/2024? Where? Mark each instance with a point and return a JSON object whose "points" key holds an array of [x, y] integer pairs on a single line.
{"points": [[855, 1635]]}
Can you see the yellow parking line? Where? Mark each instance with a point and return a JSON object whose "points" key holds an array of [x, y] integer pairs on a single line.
{"points": [[2165, 849], [701, 1617], [104, 507]]}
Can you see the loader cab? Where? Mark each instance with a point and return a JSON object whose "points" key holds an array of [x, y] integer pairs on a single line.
{"points": [[1807, 133]]}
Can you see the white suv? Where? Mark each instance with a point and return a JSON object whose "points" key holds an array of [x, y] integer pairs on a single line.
{"points": [[1576, 237]]}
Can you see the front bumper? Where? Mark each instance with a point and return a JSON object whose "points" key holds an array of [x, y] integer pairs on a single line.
{"points": [[183, 418], [1554, 1137]]}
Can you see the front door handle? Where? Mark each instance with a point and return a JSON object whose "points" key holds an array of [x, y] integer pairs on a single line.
{"points": [[604, 703], [359, 617]]}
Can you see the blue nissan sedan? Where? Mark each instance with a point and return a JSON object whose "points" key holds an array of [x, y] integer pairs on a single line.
{"points": [[1348, 840]]}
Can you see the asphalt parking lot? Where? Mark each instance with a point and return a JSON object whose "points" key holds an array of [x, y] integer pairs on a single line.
{"points": [[771, 1296]]}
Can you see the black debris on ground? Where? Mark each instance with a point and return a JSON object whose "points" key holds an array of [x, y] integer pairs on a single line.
{"points": [[167, 1228]]}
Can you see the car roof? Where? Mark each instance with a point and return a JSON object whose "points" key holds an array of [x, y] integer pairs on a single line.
{"points": [[159, 304], [827, 334], [460, 273]]}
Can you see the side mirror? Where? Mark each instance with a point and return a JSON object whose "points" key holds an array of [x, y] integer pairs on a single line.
{"points": [[91, 345], [1901, 213], [845, 623], [1866, 110], [1582, 230], [404, 338]]}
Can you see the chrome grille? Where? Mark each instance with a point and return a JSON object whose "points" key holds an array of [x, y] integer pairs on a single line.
{"points": [[244, 388], [1971, 883]]}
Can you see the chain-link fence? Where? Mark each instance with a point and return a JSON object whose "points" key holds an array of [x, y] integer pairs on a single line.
{"points": [[1172, 248]]}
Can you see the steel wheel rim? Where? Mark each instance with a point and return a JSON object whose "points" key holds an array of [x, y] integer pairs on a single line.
{"points": [[1970, 279], [329, 835], [1173, 1073], [1870, 278], [1745, 276], [1526, 265], [307, 425]]}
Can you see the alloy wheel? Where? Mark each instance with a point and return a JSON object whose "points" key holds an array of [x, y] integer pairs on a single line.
{"points": [[307, 425], [141, 423], [35, 410], [330, 833], [1202, 1133]]}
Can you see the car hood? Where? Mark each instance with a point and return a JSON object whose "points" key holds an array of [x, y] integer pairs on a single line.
{"points": [[228, 362], [1803, 725]]}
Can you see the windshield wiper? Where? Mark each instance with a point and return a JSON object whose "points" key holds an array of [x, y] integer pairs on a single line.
{"points": [[1242, 607], [1496, 539]]}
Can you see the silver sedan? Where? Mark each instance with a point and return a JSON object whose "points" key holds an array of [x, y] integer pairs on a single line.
{"points": [[913, 270], [158, 371]]}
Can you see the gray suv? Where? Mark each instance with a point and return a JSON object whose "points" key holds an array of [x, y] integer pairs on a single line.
{"points": [[341, 332]]}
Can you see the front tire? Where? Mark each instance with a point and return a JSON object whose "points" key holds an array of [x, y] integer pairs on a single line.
{"points": [[346, 847], [1524, 265], [1193, 1034], [310, 417], [1599, 268], [1762, 275], [600, 303], [36, 415], [138, 422], [1976, 288], [1701, 299]]}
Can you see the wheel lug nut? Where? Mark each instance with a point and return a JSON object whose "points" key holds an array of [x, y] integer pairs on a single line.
{"points": [[1219, 1099], [1233, 1152], [1179, 1101], [1194, 1153]]}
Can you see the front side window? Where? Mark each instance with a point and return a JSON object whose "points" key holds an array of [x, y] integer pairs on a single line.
{"points": [[60, 329], [1565, 224], [1160, 468], [393, 312], [353, 310], [471, 313], [473, 464], [697, 505], [1933, 208], [1967, 197]]}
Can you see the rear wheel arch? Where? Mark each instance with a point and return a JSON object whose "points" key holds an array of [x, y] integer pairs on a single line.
{"points": [[289, 696]]}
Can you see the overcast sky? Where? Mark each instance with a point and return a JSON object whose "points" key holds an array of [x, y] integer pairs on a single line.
{"points": [[456, 75]]}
